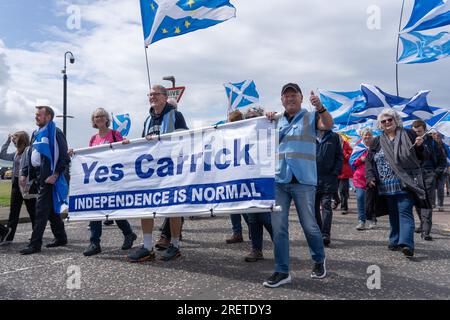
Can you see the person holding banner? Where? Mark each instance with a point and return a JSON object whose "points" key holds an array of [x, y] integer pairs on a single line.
{"points": [[101, 120], [163, 119], [296, 179], [49, 164]]}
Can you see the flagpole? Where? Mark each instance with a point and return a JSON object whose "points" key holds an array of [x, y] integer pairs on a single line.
{"points": [[148, 70], [398, 48]]}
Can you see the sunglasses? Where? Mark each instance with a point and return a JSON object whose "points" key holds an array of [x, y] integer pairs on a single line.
{"points": [[389, 120]]}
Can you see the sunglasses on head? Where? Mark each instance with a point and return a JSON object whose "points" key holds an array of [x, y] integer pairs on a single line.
{"points": [[389, 120]]}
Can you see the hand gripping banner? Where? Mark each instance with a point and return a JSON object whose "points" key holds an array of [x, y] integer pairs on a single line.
{"points": [[216, 170]]}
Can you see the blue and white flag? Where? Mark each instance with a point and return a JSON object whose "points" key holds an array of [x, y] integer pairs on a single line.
{"points": [[122, 124], [170, 18], [444, 125], [377, 100], [358, 151], [428, 14], [241, 94], [46, 144], [421, 48], [342, 105]]}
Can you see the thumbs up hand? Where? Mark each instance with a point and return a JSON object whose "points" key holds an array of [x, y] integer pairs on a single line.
{"points": [[315, 101]]}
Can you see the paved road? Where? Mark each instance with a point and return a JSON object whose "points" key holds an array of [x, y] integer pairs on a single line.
{"points": [[211, 269]]}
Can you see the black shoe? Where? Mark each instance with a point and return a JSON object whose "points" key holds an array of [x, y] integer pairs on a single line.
{"points": [[93, 249], [344, 211], [277, 279], [426, 237], [128, 241], [418, 230], [108, 222], [394, 247], [29, 250], [408, 252], [56, 243], [326, 241], [319, 271]]}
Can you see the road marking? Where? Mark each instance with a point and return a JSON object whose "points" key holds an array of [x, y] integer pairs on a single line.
{"points": [[35, 267]]}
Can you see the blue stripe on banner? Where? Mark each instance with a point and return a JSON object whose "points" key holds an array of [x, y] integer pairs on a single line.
{"points": [[225, 192]]}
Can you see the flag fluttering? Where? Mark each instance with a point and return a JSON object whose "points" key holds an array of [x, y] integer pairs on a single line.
{"points": [[170, 18], [342, 105], [122, 124], [428, 14], [421, 48], [377, 100], [242, 94]]}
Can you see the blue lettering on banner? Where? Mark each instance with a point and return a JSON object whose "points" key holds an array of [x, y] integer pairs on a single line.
{"points": [[146, 166], [231, 191]]}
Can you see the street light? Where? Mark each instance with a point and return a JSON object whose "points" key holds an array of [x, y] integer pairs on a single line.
{"points": [[170, 78], [64, 72]]}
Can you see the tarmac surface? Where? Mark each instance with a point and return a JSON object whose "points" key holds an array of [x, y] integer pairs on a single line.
{"points": [[211, 269]]}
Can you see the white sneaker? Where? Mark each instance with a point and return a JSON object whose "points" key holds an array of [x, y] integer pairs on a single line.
{"points": [[372, 225], [361, 226]]}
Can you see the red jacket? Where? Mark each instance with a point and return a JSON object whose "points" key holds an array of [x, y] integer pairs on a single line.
{"points": [[347, 171]]}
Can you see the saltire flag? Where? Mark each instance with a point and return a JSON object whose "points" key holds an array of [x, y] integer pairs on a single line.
{"points": [[377, 100], [438, 114], [122, 124], [342, 105], [359, 150], [428, 14], [170, 18], [421, 48], [46, 144], [242, 94], [354, 129]]}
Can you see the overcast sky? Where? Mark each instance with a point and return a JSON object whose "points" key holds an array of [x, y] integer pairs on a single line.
{"points": [[320, 44]]}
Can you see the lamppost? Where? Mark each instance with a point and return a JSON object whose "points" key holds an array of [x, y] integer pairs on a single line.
{"points": [[170, 78], [64, 72]]}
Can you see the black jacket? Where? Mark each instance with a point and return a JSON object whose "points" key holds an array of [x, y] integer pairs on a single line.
{"points": [[42, 172], [329, 162], [437, 160]]}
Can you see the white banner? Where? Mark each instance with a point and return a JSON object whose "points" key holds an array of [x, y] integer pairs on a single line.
{"points": [[227, 169]]}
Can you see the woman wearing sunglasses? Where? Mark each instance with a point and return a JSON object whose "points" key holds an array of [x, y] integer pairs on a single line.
{"points": [[393, 167]]}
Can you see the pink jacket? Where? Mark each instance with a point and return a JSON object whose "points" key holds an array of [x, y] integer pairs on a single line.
{"points": [[359, 175]]}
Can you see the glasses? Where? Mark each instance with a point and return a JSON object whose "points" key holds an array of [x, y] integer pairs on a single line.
{"points": [[98, 117], [389, 120]]}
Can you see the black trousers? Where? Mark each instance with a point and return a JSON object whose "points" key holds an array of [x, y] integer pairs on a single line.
{"points": [[45, 212], [344, 186], [16, 205]]}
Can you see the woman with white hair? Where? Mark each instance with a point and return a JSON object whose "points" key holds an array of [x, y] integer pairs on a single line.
{"points": [[358, 164], [393, 167]]}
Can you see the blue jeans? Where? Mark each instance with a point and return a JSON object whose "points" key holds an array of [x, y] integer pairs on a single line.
{"points": [[401, 218], [360, 202], [96, 229], [304, 197], [236, 224], [256, 222]]}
